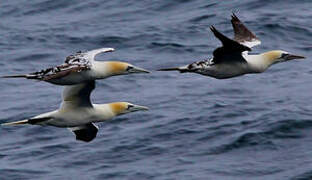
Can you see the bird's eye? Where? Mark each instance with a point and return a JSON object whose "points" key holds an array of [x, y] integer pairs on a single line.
{"points": [[129, 68], [129, 106], [284, 55]]}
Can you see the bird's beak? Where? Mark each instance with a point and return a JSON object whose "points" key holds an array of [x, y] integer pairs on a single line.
{"points": [[138, 70], [139, 108], [291, 57]]}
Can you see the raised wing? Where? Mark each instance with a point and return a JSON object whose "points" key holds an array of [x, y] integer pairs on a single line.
{"points": [[85, 58], [75, 96], [230, 51], [242, 34], [90, 55], [86, 132]]}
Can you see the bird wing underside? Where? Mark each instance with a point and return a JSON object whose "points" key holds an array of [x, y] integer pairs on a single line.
{"points": [[242, 34], [78, 95], [230, 51], [90, 55], [85, 132]]}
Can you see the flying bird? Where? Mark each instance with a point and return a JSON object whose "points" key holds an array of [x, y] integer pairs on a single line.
{"points": [[82, 67], [232, 58], [78, 113]]}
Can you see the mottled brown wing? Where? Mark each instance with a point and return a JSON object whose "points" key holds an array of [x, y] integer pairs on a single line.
{"points": [[242, 34], [62, 71]]}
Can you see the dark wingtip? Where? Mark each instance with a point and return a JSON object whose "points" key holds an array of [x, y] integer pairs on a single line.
{"points": [[213, 29], [234, 18]]}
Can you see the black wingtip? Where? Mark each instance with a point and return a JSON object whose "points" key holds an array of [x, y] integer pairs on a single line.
{"points": [[234, 18], [219, 35], [213, 29], [85, 135]]}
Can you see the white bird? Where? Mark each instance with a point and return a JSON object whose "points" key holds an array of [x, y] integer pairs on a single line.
{"points": [[82, 67], [78, 113], [232, 59]]}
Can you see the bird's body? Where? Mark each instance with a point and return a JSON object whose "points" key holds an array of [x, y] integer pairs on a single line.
{"points": [[82, 67], [78, 113], [73, 117], [232, 58], [218, 71], [252, 64]]}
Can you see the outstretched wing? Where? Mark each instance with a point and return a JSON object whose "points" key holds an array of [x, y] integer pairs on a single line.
{"points": [[75, 96], [90, 55], [242, 34], [230, 50], [85, 132], [58, 72]]}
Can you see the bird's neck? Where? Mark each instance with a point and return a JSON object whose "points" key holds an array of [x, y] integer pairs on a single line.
{"points": [[103, 112], [103, 69], [259, 63]]}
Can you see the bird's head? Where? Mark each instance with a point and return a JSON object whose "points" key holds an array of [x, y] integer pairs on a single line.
{"points": [[119, 68], [119, 108], [276, 56]]}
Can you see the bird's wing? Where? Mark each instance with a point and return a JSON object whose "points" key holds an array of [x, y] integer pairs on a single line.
{"points": [[57, 72], [85, 132], [76, 96], [230, 50], [90, 55], [85, 58], [242, 34]]}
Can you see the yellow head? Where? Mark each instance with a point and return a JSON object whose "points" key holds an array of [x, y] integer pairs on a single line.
{"points": [[272, 57], [119, 68], [119, 108]]}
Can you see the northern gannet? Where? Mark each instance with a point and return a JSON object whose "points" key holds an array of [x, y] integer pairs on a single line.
{"points": [[78, 113], [82, 67], [232, 58]]}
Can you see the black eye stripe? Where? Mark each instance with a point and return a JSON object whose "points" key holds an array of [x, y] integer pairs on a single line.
{"points": [[284, 55], [129, 67], [130, 106]]}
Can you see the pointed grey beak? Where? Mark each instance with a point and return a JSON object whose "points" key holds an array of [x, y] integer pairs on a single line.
{"points": [[139, 108], [135, 69], [291, 57]]}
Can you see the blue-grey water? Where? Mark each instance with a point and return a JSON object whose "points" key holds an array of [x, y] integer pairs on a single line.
{"points": [[249, 127]]}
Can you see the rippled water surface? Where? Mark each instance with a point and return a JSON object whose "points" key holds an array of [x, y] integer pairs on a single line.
{"points": [[250, 127]]}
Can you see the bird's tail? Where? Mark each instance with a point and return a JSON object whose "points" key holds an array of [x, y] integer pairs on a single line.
{"points": [[182, 69], [27, 76], [16, 123], [15, 76], [28, 121]]}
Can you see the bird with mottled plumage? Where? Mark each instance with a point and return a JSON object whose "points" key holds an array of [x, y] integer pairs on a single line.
{"points": [[82, 67], [232, 58]]}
